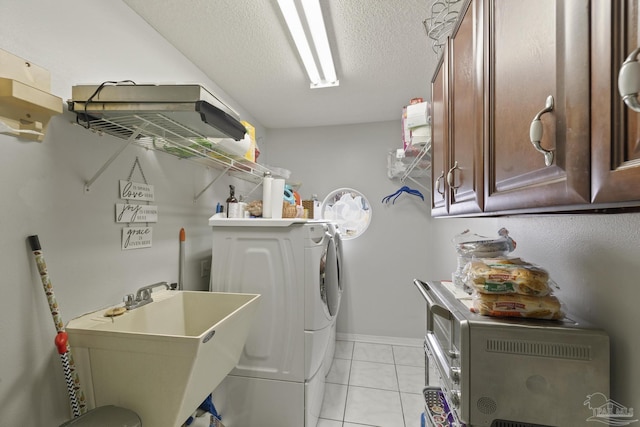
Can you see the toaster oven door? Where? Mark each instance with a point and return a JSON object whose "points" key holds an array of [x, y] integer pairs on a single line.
{"points": [[442, 354]]}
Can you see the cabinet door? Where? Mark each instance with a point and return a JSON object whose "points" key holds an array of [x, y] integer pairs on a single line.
{"points": [[466, 94], [440, 136], [615, 128], [534, 49]]}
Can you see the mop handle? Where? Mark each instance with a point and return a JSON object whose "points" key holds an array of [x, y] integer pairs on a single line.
{"points": [[71, 376]]}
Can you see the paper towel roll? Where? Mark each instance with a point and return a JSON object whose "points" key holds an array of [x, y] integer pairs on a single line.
{"points": [[231, 146], [277, 196], [267, 184]]}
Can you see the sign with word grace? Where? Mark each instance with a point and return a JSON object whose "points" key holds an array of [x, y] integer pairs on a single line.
{"points": [[136, 237]]}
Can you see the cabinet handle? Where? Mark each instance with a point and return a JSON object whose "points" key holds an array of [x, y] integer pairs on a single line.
{"points": [[535, 132], [438, 184], [451, 177], [629, 81]]}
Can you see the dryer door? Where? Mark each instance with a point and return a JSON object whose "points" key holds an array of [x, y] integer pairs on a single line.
{"points": [[338, 243], [330, 277]]}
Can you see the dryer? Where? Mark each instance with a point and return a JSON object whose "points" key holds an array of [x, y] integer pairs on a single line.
{"points": [[293, 263], [334, 253]]}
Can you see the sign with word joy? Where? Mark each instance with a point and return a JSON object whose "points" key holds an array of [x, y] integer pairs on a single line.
{"points": [[136, 237], [136, 191], [126, 213]]}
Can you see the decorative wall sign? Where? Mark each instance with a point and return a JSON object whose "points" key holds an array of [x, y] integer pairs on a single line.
{"points": [[136, 191], [126, 213], [136, 237]]}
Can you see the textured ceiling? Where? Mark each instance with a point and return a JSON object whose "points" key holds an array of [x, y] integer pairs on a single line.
{"points": [[382, 54]]}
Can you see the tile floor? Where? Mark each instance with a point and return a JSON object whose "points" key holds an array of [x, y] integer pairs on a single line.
{"points": [[374, 385]]}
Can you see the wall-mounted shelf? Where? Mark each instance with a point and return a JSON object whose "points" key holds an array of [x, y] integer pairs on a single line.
{"points": [[184, 120], [26, 106], [160, 133]]}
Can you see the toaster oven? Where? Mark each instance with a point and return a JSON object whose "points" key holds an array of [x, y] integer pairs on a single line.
{"points": [[506, 372]]}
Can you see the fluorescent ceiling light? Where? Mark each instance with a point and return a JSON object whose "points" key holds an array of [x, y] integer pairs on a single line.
{"points": [[315, 23]]}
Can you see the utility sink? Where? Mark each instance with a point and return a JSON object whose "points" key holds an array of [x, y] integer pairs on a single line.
{"points": [[163, 359]]}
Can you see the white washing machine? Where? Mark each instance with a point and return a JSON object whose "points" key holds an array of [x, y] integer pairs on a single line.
{"points": [[293, 263]]}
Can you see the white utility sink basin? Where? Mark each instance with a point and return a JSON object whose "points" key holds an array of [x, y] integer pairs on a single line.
{"points": [[163, 359]]}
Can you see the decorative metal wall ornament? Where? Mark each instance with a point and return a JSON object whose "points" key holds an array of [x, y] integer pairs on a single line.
{"points": [[444, 15]]}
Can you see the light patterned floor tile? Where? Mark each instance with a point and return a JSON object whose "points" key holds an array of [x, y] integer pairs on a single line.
{"points": [[373, 375], [374, 407], [369, 352], [410, 378], [344, 349], [412, 408], [411, 356], [335, 397], [339, 372], [328, 423]]}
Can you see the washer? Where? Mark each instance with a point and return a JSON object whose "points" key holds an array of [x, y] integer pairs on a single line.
{"points": [[293, 263]]}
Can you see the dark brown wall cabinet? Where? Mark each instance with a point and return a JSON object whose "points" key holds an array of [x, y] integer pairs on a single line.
{"points": [[526, 112]]}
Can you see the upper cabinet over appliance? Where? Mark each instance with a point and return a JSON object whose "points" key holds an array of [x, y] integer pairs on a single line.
{"points": [[536, 51], [530, 118], [615, 128]]}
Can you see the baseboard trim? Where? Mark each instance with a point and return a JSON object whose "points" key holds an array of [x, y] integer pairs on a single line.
{"points": [[374, 339]]}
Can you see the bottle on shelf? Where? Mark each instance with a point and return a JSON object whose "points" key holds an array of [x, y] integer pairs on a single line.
{"points": [[232, 204], [267, 183], [317, 205]]}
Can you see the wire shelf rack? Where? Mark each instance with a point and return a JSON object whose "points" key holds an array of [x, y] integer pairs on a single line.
{"points": [[155, 131], [158, 132]]}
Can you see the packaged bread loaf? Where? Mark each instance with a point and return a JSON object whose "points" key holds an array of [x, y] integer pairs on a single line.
{"points": [[506, 276], [516, 305]]}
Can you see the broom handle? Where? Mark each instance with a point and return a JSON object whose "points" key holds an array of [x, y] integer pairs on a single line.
{"points": [[63, 350], [71, 375]]}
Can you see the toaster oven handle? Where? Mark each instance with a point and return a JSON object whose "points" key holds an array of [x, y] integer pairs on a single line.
{"points": [[434, 308]]}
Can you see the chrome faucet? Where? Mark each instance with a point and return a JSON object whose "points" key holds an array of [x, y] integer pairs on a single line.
{"points": [[142, 296]]}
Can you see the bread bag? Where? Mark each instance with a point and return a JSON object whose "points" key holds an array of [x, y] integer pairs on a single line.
{"points": [[506, 276], [516, 305]]}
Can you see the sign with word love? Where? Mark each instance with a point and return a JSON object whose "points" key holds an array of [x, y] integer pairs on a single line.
{"points": [[136, 237], [136, 191], [126, 213]]}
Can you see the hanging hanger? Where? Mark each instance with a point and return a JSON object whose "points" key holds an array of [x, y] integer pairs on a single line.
{"points": [[403, 189]]}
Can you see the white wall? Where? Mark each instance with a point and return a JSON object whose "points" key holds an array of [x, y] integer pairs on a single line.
{"points": [[379, 297], [41, 185]]}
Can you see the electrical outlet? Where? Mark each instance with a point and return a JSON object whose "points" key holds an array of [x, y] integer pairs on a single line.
{"points": [[205, 267]]}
